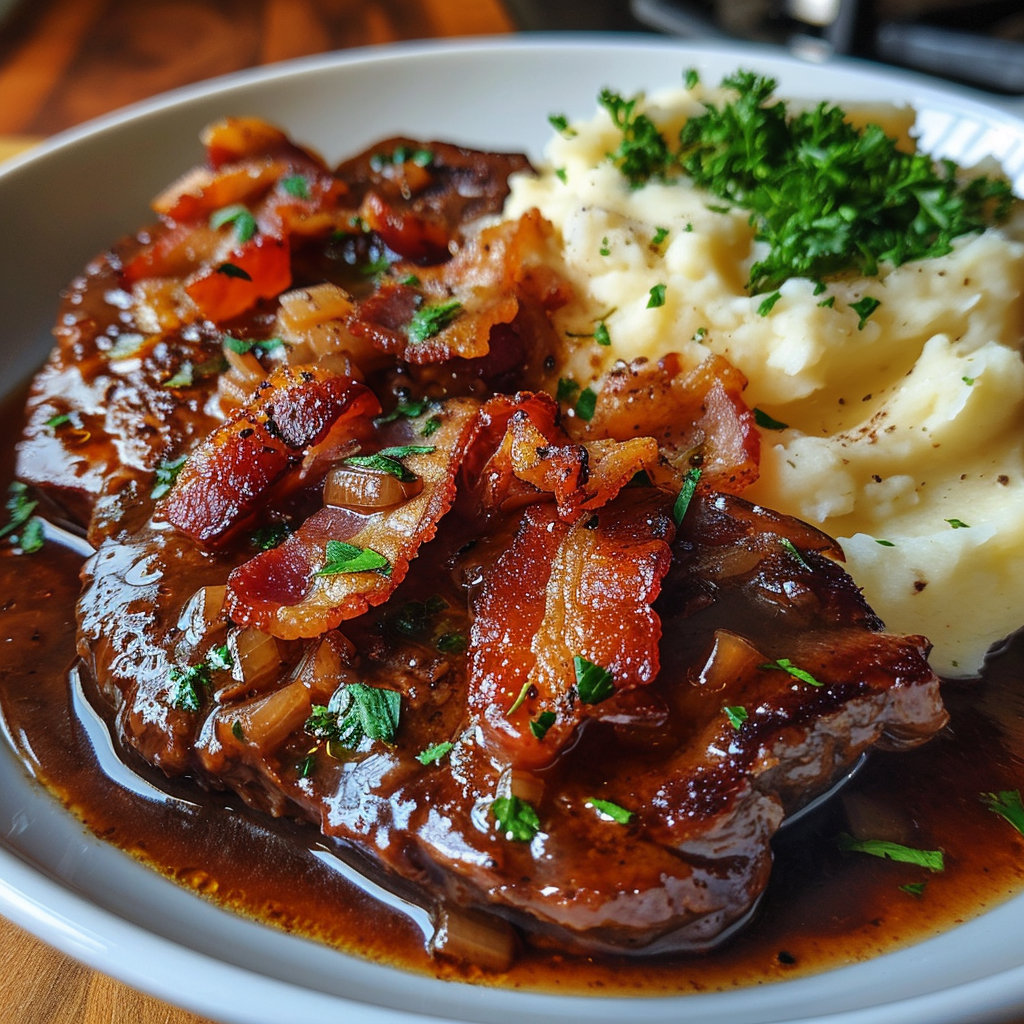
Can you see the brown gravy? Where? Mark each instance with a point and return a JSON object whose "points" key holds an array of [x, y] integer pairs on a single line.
{"points": [[823, 909]]}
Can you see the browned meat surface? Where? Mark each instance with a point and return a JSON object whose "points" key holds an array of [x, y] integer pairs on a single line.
{"points": [[356, 564]]}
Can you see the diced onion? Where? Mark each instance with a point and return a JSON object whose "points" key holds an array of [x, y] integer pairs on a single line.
{"points": [[256, 658], [869, 817], [473, 937], [244, 366], [323, 667], [731, 657], [301, 308], [201, 613], [266, 722], [522, 784], [362, 487]]}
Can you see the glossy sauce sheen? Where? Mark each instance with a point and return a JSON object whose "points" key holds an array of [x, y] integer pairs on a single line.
{"points": [[823, 908]]}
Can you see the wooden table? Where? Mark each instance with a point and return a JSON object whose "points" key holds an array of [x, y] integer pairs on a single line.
{"points": [[63, 62]]}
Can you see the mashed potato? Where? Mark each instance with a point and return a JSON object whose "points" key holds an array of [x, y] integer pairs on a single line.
{"points": [[903, 430]]}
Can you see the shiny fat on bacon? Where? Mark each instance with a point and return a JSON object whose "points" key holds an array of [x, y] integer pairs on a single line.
{"points": [[290, 591]]}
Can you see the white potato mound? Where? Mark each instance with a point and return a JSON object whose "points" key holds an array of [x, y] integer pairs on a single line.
{"points": [[905, 430]]}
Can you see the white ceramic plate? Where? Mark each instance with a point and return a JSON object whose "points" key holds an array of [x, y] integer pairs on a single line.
{"points": [[79, 192]]}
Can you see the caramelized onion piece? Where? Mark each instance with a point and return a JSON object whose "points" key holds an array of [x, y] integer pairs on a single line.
{"points": [[363, 487], [256, 661], [474, 938], [203, 610]]}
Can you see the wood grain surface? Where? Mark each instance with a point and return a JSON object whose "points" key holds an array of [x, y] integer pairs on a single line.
{"points": [[63, 62]]}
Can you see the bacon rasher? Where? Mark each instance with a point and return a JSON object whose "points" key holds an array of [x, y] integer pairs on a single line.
{"points": [[286, 592]]}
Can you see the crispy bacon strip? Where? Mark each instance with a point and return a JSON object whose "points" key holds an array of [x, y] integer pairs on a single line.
{"points": [[283, 592], [235, 470], [559, 592], [520, 451], [698, 417], [482, 288]]}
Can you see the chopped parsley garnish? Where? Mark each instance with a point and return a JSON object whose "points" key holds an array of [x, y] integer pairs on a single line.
{"points": [[220, 660], [766, 422], [165, 475], [643, 152], [737, 715], [408, 409], [434, 753], [269, 536], [828, 303], [586, 404], [20, 507], [54, 423], [410, 281], [233, 270], [915, 889], [768, 304], [451, 643], [387, 460], [958, 524], [430, 426], [826, 196], [930, 859], [601, 335], [613, 812], [656, 297], [516, 818], [345, 558], [864, 308], [376, 268], [691, 78], [567, 389], [562, 175], [660, 234], [241, 345], [520, 699], [593, 683], [239, 216], [415, 618], [307, 766], [187, 686], [354, 712], [127, 345], [785, 665], [539, 726], [184, 378], [1007, 804], [604, 250], [561, 125], [794, 552], [686, 493], [296, 185], [884, 543], [428, 321], [237, 731]]}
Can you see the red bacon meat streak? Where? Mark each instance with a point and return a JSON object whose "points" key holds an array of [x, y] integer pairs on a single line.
{"points": [[355, 563]]}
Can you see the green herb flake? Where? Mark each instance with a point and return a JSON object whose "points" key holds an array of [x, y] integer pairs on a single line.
{"points": [[269, 536], [184, 378], [656, 297], [794, 552], [642, 153], [933, 860], [958, 524], [686, 493], [295, 185], [187, 686], [229, 269], [593, 683], [54, 423], [785, 665], [884, 543], [969, 381], [220, 660], [407, 409], [601, 335], [586, 404], [19, 508], [32, 536], [864, 308], [562, 175], [387, 460], [429, 321], [737, 715], [610, 811], [766, 422], [539, 726], [434, 753], [356, 711], [237, 731], [239, 216], [410, 281], [241, 346], [516, 819], [520, 699], [700, 334], [659, 236], [828, 303], [915, 889], [307, 766], [566, 390], [768, 304], [605, 249], [346, 558], [561, 125], [691, 78], [451, 643], [165, 475], [430, 426], [126, 346], [376, 268], [1007, 804]]}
